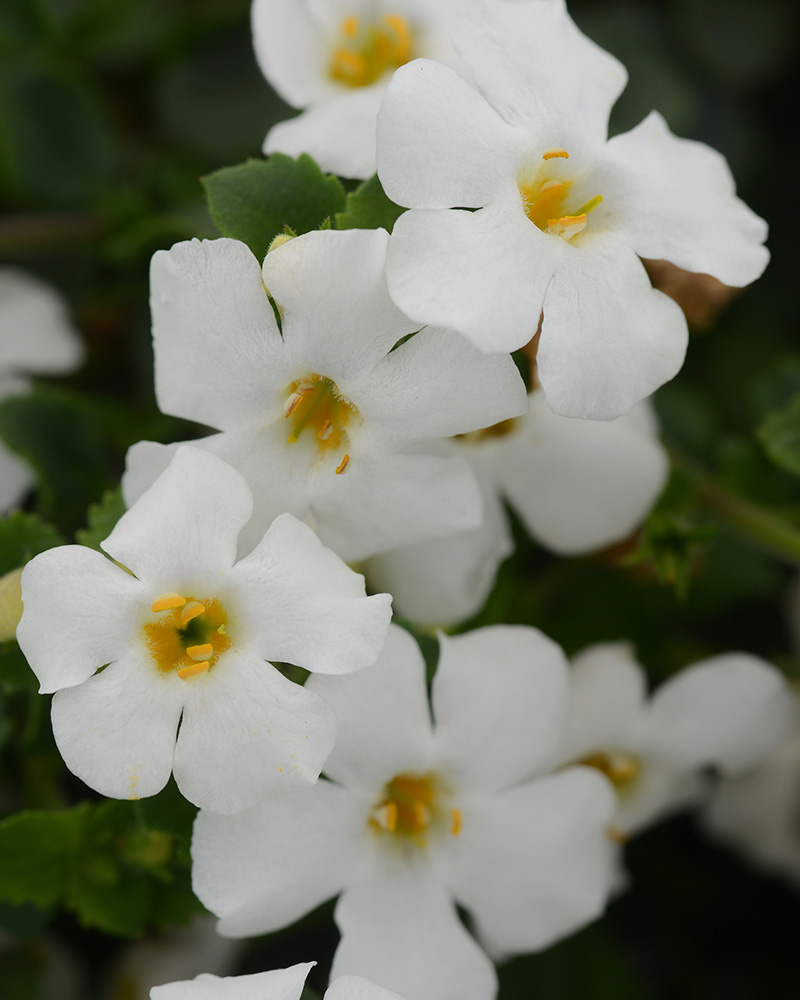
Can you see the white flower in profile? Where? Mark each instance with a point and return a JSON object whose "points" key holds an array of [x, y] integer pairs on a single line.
{"points": [[756, 812], [577, 486], [419, 816], [181, 646], [278, 984], [319, 415], [564, 215], [37, 337], [334, 60], [727, 713]]}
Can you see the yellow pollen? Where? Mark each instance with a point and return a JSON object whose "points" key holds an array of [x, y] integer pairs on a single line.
{"points": [[167, 601], [367, 53], [556, 151], [196, 668], [411, 806], [315, 405], [191, 610], [455, 825], [619, 766], [545, 194], [201, 652], [342, 466]]}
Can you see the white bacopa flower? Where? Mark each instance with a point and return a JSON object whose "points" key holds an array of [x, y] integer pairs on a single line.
{"points": [[319, 415], [727, 713], [37, 337], [419, 816], [278, 984], [334, 59], [183, 640], [577, 485], [563, 214]]}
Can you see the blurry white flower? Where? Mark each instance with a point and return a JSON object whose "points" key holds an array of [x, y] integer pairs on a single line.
{"points": [[184, 641], [727, 712], [280, 984], [417, 817], [577, 485], [319, 416], [564, 215], [334, 59], [37, 337]]}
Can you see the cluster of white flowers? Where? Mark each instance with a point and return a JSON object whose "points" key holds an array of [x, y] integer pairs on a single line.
{"points": [[343, 431]]}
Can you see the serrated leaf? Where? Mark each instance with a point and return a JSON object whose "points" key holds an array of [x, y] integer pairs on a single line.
{"points": [[101, 518], [779, 433], [22, 536], [369, 207], [256, 200]]}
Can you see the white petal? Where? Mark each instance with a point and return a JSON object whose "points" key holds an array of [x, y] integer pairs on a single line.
{"points": [[536, 863], [499, 701], [384, 725], [398, 501], [579, 485], [608, 338], [607, 692], [305, 606], [264, 868], [36, 332], [80, 613], [214, 333], [437, 384], [291, 49], [278, 984], [660, 790], [116, 731], [402, 930], [481, 273], [538, 70], [247, 732], [729, 711], [446, 580], [185, 527], [440, 145], [676, 201], [16, 479], [338, 132], [338, 318], [358, 988]]}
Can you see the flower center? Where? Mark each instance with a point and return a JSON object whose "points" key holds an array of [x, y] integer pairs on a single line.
{"points": [[368, 51], [619, 766], [188, 636], [411, 806], [316, 405], [545, 196]]}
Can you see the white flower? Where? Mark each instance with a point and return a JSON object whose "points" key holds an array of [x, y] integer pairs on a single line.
{"points": [[334, 60], [564, 215], [577, 485], [417, 817], [757, 811], [184, 643], [279, 984], [37, 337], [727, 712], [319, 415]]}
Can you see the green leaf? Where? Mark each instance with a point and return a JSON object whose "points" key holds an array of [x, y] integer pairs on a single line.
{"points": [[15, 674], [368, 207], [256, 200], [36, 851], [169, 812], [779, 433], [101, 518], [22, 536]]}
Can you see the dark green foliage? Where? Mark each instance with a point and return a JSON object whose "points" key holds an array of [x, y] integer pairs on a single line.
{"points": [[368, 207]]}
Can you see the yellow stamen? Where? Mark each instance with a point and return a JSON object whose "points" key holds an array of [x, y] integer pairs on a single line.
{"points": [[567, 226], [590, 205], [192, 610], [350, 26], [167, 601], [201, 652], [385, 817], [340, 468], [620, 767], [455, 825], [368, 52], [316, 404], [325, 431], [399, 25], [192, 671], [555, 151]]}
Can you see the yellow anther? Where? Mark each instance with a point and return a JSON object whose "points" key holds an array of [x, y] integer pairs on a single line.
{"points": [[422, 815], [399, 25], [554, 152], [455, 824], [192, 671], [325, 431], [369, 51], [567, 226], [291, 404], [350, 67], [340, 468], [192, 610], [167, 601], [201, 652], [385, 817], [350, 26]]}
